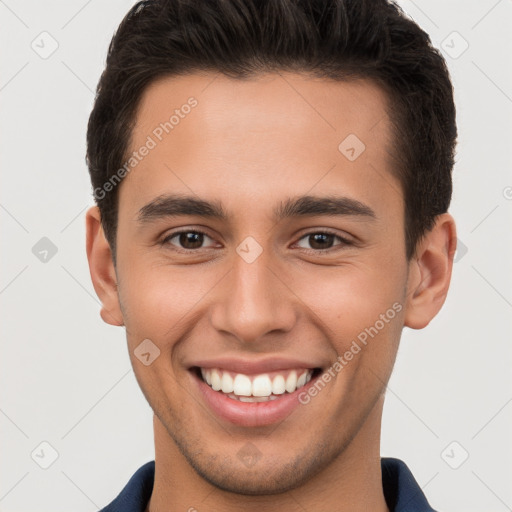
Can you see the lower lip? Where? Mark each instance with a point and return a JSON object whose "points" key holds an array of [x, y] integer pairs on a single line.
{"points": [[250, 414]]}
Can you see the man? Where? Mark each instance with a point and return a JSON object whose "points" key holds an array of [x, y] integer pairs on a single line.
{"points": [[272, 181]]}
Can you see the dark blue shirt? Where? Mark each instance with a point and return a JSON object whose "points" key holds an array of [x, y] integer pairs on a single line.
{"points": [[401, 491]]}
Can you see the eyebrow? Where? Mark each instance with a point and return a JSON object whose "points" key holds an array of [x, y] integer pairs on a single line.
{"points": [[172, 205]]}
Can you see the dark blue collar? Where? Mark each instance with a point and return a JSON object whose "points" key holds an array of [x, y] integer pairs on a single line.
{"points": [[402, 492]]}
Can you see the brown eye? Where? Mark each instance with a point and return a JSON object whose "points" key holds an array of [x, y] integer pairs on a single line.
{"points": [[188, 240], [321, 240]]}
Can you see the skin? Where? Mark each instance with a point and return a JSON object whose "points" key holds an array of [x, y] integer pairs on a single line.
{"points": [[251, 144]]}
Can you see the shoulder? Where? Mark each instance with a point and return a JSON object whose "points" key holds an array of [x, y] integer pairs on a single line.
{"points": [[136, 493], [402, 492]]}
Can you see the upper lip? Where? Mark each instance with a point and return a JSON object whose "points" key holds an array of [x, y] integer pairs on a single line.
{"points": [[254, 367]]}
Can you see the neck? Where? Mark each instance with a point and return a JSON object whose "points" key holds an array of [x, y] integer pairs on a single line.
{"points": [[351, 482]]}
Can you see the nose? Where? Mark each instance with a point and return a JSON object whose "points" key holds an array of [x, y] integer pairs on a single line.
{"points": [[254, 302]]}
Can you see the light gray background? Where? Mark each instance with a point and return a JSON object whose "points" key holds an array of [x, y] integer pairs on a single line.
{"points": [[65, 375]]}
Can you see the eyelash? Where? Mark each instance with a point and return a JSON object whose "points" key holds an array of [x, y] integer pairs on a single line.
{"points": [[344, 241]]}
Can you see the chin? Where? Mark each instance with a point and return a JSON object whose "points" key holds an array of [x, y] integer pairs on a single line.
{"points": [[253, 482]]}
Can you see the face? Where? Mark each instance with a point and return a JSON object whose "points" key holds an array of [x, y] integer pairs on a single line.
{"points": [[296, 262]]}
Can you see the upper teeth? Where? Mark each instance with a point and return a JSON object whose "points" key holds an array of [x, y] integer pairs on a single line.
{"points": [[255, 385]]}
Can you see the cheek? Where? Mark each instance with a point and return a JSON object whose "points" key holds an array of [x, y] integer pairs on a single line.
{"points": [[158, 299], [355, 303], [350, 295]]}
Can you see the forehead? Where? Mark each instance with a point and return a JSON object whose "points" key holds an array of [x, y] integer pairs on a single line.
{"points": [[287, 101], [211, 134]]}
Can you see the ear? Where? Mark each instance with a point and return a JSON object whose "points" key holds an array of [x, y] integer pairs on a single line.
{"points": [[102, 269], [430, 271]]}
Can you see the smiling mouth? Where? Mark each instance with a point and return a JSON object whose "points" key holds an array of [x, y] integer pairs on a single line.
{"points": [[256, 388]]}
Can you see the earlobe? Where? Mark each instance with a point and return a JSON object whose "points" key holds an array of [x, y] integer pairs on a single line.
{"points": [[430, 273], [102, 269]]}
